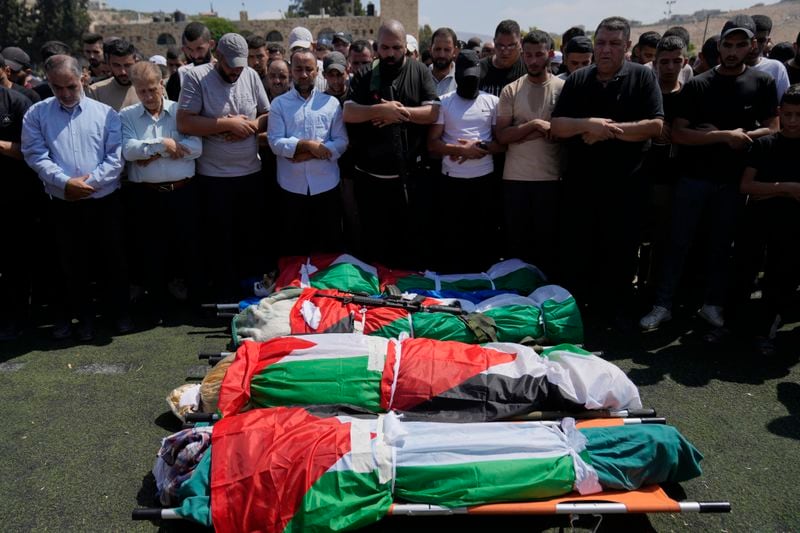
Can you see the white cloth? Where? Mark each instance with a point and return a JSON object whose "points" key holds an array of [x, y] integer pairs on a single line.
{"points": [[777, 70]]}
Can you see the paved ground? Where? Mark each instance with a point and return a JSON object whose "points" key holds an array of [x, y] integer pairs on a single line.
{"points": [[83, 423]]}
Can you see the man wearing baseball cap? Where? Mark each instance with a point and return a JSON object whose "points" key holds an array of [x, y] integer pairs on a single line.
{"points": [[720, 113], [341, 42], [7, 77], [578, 53], [334, 69], [225, 103], [19, 64], [301, 37]]}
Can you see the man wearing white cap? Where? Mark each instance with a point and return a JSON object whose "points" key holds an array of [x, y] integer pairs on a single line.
{"points": [[301, 37], [225, 103]]}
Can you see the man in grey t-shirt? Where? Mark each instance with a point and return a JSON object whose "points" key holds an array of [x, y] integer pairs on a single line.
{"points": [[225, 104]]}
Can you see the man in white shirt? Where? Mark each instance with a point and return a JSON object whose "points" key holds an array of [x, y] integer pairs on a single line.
{"points": [[756, 58], [161, 165], [307, 134], [463, 137], [444, 50]]}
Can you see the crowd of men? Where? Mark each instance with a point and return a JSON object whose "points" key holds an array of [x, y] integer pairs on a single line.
{"points": [[610, 166]]}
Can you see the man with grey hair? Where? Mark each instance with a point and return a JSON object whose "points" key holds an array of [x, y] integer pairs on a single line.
{"points": [[73, 144], [225, 103], [390, 107]]}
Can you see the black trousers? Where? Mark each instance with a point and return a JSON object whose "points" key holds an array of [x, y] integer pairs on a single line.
{"points": [[234, 236], [531, 211], [166, 236], [89, 242], [600, 228], [310, 223], [465, 237]]}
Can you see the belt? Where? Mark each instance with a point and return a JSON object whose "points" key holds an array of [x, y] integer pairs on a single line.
{"points": [[168, 186]]}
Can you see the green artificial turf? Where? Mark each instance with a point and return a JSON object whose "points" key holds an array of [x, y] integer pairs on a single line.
{"points": [[75, 446]]}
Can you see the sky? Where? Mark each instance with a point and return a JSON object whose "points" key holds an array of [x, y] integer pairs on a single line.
{"points": [[478, 16]]}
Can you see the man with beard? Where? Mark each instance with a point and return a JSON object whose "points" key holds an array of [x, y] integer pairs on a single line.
{"points": [[334, 69], [117, 91], [197, 45], [307, 134], [463, 137], [225, 103], [9, 78], [341, 43], [257, 57], [161, 165], [444, 50], [506, 64], [73, 144], [92, 48], [756, 58], [532, 171], [389, 108], [607, 113], [720, 113]]}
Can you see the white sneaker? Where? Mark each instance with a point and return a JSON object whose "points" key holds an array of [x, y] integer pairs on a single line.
{"points": [[712, 314], [655, 317]]}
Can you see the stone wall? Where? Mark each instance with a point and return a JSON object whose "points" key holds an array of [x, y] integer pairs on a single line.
{"points": [[154, 37]]}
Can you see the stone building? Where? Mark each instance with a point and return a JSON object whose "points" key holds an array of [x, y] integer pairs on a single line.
{"points": [[154, 37]]}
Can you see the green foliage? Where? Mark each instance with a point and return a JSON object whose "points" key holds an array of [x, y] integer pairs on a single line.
{"points": [[16, 24], [218, 26], [425, 37], [334, 8], [58, 20]]}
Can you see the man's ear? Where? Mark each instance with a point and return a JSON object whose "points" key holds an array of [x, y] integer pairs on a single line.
{"points": [[212, 44]]}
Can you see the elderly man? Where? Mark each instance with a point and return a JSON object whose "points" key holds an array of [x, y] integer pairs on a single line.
{"points": [[161, 166], [225, 103], [307, 134], [390, 106], [73, 144]]}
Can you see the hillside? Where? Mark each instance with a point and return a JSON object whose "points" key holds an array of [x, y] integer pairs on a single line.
{"points": [[785, 20]]}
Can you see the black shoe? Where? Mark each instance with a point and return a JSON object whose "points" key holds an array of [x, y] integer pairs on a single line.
{"points": [[124, 325], [61, 330], [86, 331]]}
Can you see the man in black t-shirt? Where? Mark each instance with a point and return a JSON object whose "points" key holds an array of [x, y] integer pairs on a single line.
{"points": [[772, 179], [17, 211], [7, 76], [607, 113], [389, 108], [793, 65], [659, 167], [721, 113], [506, 64]]}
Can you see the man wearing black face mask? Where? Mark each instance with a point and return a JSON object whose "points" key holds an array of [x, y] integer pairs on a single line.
{"points": [[463, 136], [389, 107], [531, 173]]}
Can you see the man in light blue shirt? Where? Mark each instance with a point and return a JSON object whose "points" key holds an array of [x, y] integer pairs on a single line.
{"points": [[306, 131], [161, 164], [73, 143]]}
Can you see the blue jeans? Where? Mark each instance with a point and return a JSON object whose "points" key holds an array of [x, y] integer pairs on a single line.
{"points": [[720, 203]]}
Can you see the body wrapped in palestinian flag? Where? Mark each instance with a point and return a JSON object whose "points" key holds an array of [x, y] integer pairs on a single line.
{"points": [[423, 377], [347, 273], [293, 469], [549, 315]]}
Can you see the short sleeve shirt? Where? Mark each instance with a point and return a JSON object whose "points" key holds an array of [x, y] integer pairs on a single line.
{"points": [[775, 158], [13, 106], [632, 95], [389, 150], [494, 79], [472, 120], [727, 103], [205, 92], [523, 101]]}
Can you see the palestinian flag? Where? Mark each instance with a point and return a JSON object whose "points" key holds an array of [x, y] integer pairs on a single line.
{"points": [[308, 469], [511, 275], [329, 271], [424, 377]]}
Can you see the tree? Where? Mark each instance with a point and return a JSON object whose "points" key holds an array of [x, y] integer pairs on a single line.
{"points": [[218, 26], [58, 20], [16, 24], [334, 8], [425, 37]]}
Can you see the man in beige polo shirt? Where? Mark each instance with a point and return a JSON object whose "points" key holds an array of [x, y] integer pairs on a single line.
{"points": [[117, 91], [531, 174]]}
